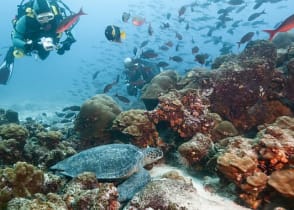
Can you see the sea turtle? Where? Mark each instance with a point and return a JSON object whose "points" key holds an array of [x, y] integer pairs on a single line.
{"points": [[122, 162]]}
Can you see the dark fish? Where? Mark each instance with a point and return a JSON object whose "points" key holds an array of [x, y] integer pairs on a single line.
{"points": [[201, 58], [164, 48], [150, 30], [178, 47], [241, 8], [168, 15], [125, 17], [285, 26], [179, 36], [122, 98], [164, 25], [94, 76], [109, 86], [117, 79], [135, 50], [59, 114], [162, 64], [236, 2], [187, 26], [182, 10], [169, 44], [69, 115], [176, 58], [246, 38], [73, 108], [255, 15], [144, 43], [257, 5], [149, 54], [195, 50]]}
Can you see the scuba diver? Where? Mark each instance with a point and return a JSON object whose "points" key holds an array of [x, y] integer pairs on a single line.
{"points": [[36, 32], [138, 72], [114, 34]]}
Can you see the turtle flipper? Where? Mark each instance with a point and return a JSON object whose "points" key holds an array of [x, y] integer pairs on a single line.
{"points": [[133, 184]]}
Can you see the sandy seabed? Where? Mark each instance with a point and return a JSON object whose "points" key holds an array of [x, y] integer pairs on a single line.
{"points": [[206, 200]]}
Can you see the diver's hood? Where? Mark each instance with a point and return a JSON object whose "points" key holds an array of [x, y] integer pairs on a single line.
{"points": [[41, 6]]}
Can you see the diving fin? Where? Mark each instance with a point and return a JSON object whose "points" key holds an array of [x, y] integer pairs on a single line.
{"points": [[6, 67]]}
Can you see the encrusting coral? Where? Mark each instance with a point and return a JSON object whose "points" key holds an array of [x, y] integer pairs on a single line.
{"points": [[136, 125], [185, 111], [23, 180]]}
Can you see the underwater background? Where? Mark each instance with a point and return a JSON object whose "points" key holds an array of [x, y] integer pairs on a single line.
{"points": [[220, 112], [64, 80]]}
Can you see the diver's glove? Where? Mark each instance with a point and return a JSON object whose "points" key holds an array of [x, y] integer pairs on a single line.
{"points": [[66, 44], [29, 46]]}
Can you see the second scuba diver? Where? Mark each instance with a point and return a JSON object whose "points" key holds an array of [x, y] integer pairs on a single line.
{"points": [[36, 30]]}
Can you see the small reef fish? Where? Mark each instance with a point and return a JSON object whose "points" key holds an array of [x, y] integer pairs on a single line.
{"points": [[122, 98], [144, 43], [255, 15], [125, 17], [176, 58], [150, 30], [138, 20], [69, 21], [182, 10], [201, 58], [94, 76], [195, 50], [109, 86], [236, 2], [285, 26], [246, 38], [149, 54]]}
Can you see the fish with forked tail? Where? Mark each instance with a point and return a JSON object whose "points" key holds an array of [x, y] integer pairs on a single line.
{"points": [[285, 26], [69, 21], [122, 98]]}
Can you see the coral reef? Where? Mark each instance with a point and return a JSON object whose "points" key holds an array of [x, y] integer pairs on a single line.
{"points": [[13, 131], [282, 181], [13, 140], [8, 116], [137, 127], [195, 149], [247, 90], [85, 192], [249, 162], [222, 130], [185, 111], [49, 202], [95, 119], [160, 84], [22, 180]]}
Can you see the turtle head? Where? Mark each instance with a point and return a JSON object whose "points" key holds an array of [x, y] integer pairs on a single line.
{"points": [[152, 154]]}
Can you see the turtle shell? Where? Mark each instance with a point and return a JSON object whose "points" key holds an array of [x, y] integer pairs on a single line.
{"points": [[112, 161]]}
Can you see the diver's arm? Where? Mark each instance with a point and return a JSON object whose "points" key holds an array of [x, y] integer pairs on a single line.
{"points": [[18, 34]]}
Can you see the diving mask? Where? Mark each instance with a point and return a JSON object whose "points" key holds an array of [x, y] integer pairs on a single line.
{"points": [[45, 17]]}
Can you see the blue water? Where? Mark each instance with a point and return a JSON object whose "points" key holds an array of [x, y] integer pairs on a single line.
{"points": [[66, 80]]}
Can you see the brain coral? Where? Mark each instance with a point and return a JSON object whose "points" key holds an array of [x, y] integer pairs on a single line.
{"points": [[96, 116]]}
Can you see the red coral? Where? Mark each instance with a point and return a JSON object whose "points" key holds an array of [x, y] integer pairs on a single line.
{"points": [[184, 110]]}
